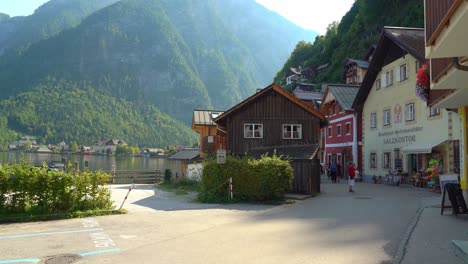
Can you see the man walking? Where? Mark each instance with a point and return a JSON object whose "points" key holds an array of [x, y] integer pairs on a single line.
{"points": [[352, 174]]}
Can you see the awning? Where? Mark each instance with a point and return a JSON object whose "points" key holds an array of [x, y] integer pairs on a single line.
{"points": [[421, 147]]}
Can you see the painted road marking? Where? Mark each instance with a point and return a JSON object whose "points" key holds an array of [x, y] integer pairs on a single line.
{"points": [[101, 240], [99, 252], [51, 233], [29, 260]]}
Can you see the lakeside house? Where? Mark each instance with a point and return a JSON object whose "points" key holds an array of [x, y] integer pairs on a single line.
{"points": [[107, 147], [211, 137], [274, 120]]}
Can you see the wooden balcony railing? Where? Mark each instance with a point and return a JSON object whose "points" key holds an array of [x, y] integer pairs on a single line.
{"points": [[440, 67], [438, 13]]}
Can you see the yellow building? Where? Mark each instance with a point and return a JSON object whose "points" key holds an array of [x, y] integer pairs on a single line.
{"points": [[399, 130], [446, 24]]}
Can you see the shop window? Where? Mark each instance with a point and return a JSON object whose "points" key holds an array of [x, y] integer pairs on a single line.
{"points": [[373, 160], [410, 112], [253, 130], [348, 128], [292, 131], [386, 117], [330, 131], [386, 161], [338, 130], [373, 120]]}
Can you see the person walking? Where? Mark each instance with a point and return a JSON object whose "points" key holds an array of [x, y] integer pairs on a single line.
{"points": [[333, 172], [352, 175]]}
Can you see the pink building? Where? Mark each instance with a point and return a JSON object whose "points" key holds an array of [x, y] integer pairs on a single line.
{"points": [[343, 139]]}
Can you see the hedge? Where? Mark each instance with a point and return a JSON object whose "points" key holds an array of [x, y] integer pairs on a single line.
{"points": [[264, 179], [25, 188]]}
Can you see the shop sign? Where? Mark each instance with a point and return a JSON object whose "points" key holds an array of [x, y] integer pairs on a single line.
{"points": [[221, 156], [397, 140]]}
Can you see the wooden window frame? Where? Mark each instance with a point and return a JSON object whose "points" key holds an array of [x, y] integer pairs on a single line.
{"points": [[409, 118], [292, 126], [387, 117], [373, 120], [254, 127]]}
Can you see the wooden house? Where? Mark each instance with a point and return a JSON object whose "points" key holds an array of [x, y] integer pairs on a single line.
{"points": [[211, 138], [275, 120]]}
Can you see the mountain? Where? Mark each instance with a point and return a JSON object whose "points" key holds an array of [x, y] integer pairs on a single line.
{"points": [[174, 55], [353, 36], [58, 110], [47, 21]]}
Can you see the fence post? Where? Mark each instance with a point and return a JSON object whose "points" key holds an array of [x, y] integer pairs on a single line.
{"points": [[113, 173], [230, 188]]}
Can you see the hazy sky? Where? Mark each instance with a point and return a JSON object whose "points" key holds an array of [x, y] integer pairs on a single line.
{"points": [[309, 14]]}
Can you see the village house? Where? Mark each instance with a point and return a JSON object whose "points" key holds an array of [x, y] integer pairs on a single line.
{"points": [[342, 135], [107, 147], [446, 47], [293, 75], [211, 137], [400, 132], [273, 120], [314, 98]]}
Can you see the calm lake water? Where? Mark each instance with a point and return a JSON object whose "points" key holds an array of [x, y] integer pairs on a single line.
{"points": [[95, 162]]}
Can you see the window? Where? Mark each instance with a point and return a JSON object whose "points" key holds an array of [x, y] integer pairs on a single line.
{"points": [[332, 110], [389, 78], [373, 120], [386, 161], [338, 130], [330, 131], [417, 66], [378, 84], [253, 131], [292, 131], [373, 160], [434, 111], [403, 73], [386, 117], [348, 128], [410, 112]]}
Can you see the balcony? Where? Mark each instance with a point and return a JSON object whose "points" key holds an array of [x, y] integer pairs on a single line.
{"points": [[445, 22]]}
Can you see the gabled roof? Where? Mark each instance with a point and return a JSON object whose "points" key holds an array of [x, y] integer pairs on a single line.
{"points": [[344, 94], [205, 117], [405, 40], [186, 154], [360, 63], [281, 91]]}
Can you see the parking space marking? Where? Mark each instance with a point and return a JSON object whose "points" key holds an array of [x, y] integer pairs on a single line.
{"points": [[51, 233], [100, 252], [33, 260]]}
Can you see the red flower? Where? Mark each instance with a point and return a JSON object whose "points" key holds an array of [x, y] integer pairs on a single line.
{"points": [[423, 76]]}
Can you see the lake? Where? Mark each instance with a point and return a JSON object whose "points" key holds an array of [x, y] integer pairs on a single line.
{"points": [[95, 162]]}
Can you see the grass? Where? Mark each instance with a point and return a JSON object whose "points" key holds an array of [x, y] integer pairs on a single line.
{"points": [[180, 187], [33, 217]]}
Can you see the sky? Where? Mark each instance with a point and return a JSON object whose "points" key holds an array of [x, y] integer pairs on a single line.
{"points": [[310, 14]]}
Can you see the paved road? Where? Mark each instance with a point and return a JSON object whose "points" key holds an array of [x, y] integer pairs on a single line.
{"points": [[335, 227]]}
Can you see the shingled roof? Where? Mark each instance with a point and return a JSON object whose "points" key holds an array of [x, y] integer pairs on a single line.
{"points": [[400, 41], [344, 94]]}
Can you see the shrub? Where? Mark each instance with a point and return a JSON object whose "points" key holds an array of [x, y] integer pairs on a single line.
{"points": [[25, 188], [268, 178]]}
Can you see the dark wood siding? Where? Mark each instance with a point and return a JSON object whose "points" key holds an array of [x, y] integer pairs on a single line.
{"points": [[306, 176], [272, 110]]}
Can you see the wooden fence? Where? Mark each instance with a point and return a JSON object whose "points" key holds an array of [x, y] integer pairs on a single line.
{"points": [[136, 176]]}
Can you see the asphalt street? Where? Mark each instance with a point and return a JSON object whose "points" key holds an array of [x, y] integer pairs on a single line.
{"points": [[335, 227]]}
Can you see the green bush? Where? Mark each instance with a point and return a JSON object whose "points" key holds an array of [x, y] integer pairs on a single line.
{"points": [[25, 188], [167, 175], [265, 179]]}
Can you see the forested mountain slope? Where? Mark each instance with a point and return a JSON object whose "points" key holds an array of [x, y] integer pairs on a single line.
{"points": [[353, 36]]}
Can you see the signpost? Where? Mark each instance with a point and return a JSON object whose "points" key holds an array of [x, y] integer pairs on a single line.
{"points": [[221, 156]]}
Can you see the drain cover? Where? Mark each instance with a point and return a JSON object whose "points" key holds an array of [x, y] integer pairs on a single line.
{"points": [[363, 197], [61, 259]]}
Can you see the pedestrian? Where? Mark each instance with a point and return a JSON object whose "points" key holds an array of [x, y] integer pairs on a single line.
{"points": [[333, 172], [338, 172], [352, 174]]}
